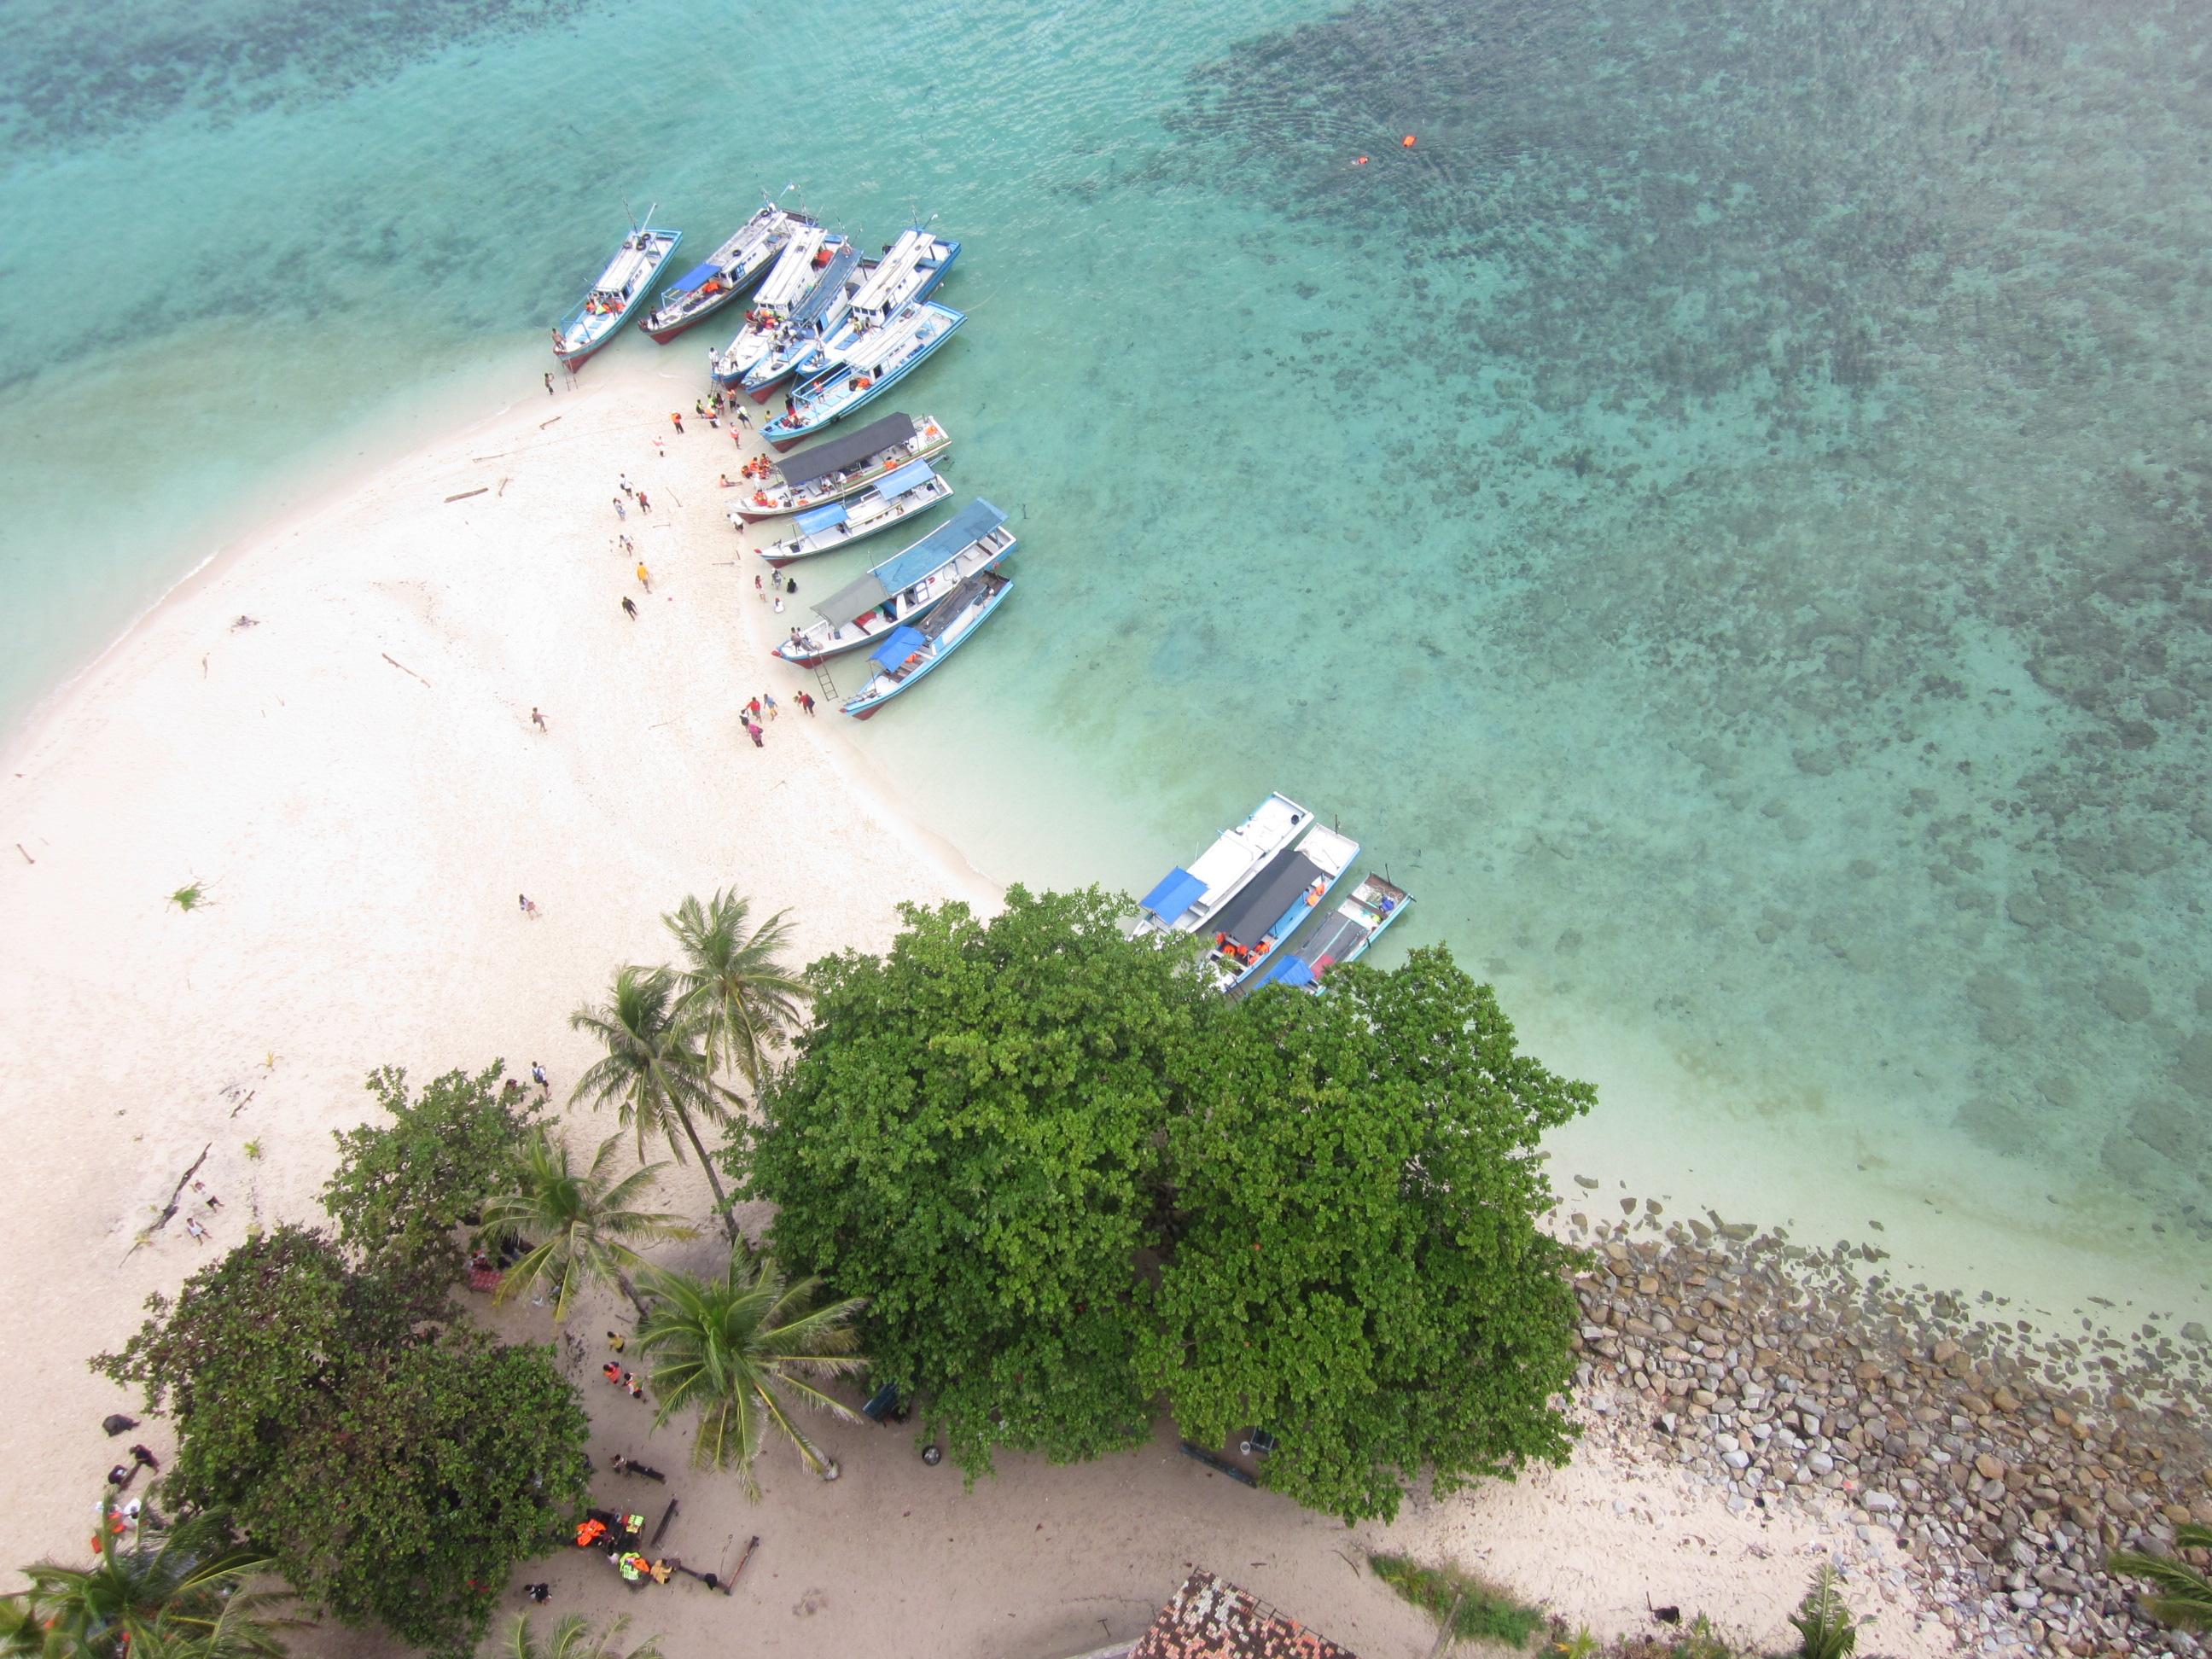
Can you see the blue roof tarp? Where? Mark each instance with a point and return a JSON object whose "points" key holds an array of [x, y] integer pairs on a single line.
{"points": [[1284, 970], [696, 278], [898, 644], [820, 517], [1175, 894], [912, 476], [971, 524]]}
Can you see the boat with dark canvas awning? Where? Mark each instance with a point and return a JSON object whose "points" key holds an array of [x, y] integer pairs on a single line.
{"points": [[1344, 935], [903, 587], [896, 498], [1277, 901], [841, 467]]}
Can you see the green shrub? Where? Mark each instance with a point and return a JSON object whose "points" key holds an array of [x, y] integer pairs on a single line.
{"points": [[1482, 1614]]}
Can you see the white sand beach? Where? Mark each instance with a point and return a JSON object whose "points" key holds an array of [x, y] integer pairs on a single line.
{"points": [[356, 781]]}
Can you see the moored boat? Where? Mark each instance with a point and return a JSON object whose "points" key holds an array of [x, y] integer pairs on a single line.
{"points": [[896, 498], [1187, 899], [873, 291], [870, 367], [840, 466], [909, 653], [811, 256], [1277, 901], [904, 587], [621, 290], [1344, 935], [728, 272]]}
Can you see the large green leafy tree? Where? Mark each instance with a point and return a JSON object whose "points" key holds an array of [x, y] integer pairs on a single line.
{"points": [[1358, 1266], [970, 1139], [402, 1191], [391, 1470]]}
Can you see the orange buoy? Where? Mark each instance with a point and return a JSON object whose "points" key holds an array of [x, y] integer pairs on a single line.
{"points": [[1406, 143], [1361, 162]]}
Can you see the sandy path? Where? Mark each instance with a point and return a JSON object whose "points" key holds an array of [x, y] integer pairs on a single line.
{"points": [[357, 781]]}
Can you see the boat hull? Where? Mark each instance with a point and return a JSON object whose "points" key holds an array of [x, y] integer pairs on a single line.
{"points": [[870, 637], [762, 514], [573, 358], [876, 527], [691, 319], [879, 386], [902, 687]]}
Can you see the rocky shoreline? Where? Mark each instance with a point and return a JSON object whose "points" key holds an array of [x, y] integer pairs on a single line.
{"points": [[2003, 1462]]}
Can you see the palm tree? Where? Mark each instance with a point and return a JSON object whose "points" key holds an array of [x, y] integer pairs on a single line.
{"points": [[573, 1640], [178, 1591], [734, 981], [2184, 1600], [584, 1218], [656, 1070], [738, 1350]]}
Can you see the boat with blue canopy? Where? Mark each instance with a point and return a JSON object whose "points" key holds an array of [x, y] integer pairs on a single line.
{"points": [[870, 367], [1187, 897], [620, 290], [813, 263], [1344, 935], [1277, 901], [907, 653], [904, 587], [726, 273], [896, 497], [840, 466]]}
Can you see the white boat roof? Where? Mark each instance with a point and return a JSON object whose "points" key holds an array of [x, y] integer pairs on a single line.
{"points": [[795, 267], [1331, 853], [873, 350], [905, 254], [749, 235], [1238, 853], [633, 262]]}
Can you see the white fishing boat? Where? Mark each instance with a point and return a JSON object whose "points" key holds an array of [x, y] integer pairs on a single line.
{"points": [[874, 292], [1289, 890], [909, 653], [904, 587], [726, 273], [1187, 898], [620, 290], [896, 498], [840, 466], [870, 368], [1342, 936], [813, 261]]}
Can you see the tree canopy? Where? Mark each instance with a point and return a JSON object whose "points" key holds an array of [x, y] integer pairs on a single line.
{"points": [[388, 1468], [1069, 1180], [969, 1138]]}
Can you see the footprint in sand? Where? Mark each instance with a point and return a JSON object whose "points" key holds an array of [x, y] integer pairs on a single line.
{"points": [[810, 1604]]}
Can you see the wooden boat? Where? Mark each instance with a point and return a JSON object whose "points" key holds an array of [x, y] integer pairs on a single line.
{"points": [[904, 587], [622, 288], [907, 653], [1342, 936], [728, 272], [895, 498], [1289, 889], [875, 290], [870, 367], [813, 263], [1187, 899], [841, 467]]}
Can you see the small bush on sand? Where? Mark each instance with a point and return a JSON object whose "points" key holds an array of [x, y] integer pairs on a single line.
{"points": [[1476, 1611]]}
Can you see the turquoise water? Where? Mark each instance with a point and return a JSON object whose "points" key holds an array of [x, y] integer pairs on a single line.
{"points": [[1724, 517]]}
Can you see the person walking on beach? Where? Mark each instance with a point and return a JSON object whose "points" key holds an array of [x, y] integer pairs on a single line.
{"points": [[548, 382], [630, 609], [628, 489], [537, 720], [528, 909], [676, 420], [767, 701], [644, 576], [760, 590], [754, 732], [538, 1076], [620, 512], [807, 703], [752, 711], [643, 505], [744, 419], [617, 1341]]}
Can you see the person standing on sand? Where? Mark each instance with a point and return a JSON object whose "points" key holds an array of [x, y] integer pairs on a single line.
{"points": [[528, 909], [538, 1076], [760, 590], [623, 478], [753, 730], [539, 720], [548, 382], [767, 701], [676, 420], [744, 419], [620, 512], [752, 711], [643, 505], [807, 703], [629, 608], [644, 577]]}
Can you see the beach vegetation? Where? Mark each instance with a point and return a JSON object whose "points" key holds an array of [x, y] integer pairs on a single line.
{"points": [[744, 1353], [574, 1638], [1464, 1606], [655, 1072], [1825, 1626], [1071, 1182], [2183, 1597], [391, 1468], [252, 1151], [970, 1138], [404, 1192], [186, 1593], [734, 981], [190, 896], [586, 1221]]}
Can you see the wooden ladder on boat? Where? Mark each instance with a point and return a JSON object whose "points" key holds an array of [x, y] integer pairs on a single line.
{"points": [[828, 686]]}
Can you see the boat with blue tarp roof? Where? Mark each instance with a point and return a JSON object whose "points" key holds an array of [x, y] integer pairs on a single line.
{"points": [[725, 274], [620, 290], [907, 653], [1288, 889], [871, 366], [1187, 897], [898, 496], [1344, 935], [904, 587]]}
